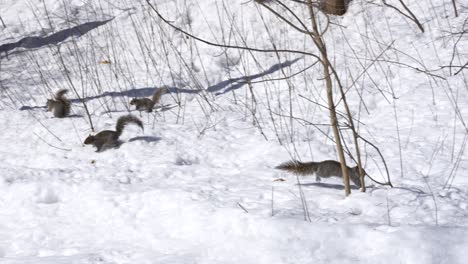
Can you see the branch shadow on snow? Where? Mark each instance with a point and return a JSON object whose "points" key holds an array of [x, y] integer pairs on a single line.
{"points": [[75, 116], [25, 107], [55, 38], [231, 84], [137, 92], [218, 89], [236, 83], [145, 138], [328, 185], [44, 108]]}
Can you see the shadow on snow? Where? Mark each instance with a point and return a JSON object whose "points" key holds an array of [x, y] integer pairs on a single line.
{"points": [[55, 38]]}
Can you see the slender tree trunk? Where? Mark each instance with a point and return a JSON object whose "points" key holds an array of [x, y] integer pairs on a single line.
{"points": [[331, 104], [355, 135], [334, 123]]}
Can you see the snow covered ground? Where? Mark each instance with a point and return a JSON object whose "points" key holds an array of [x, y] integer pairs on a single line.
{"points": [[198, 184]]}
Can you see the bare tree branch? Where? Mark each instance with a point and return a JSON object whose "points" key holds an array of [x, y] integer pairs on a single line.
{"points": [[411, 16], [227, 46], [455, 8], [3, 23]]}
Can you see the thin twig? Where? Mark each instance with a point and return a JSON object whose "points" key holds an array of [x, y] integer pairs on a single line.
{"points": [[227, 46], [411, 16], [43, 140], [3, 23], [242, 207], [272, 200], [46, 128], [455, 8], [67, 75], [381, 156]]}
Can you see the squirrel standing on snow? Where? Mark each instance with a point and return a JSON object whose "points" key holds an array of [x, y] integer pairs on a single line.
{"points": [[61, 105], [323, 169], [146, 104], [108, 138]]}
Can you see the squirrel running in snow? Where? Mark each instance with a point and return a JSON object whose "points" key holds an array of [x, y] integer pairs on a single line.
{"points": [[108, 138], [146, 104], [60, 105], [323, 169]]}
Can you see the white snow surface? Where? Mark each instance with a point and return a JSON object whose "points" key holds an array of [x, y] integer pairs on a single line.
{"points": [[197, 185]]}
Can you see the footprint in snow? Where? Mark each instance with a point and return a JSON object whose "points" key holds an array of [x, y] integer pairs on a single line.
{"points": [[186, 160], [47, 196]]}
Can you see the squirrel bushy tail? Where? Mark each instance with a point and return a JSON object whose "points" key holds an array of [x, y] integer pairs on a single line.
{"points": [[59, 95], [297, 167], [322, 169], [125, 120], [146, 104], [60, 105], [158, 94], [108, 138]]}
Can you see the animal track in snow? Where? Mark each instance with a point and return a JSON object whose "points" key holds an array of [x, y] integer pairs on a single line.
{"points": [[47, 196]]}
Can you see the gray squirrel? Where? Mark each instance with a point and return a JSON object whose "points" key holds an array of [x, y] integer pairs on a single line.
{"points": [[60, 105], [146, 104], [323, 169], [108, 138]]}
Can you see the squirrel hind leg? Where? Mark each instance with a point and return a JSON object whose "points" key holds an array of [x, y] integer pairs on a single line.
{"points": [[98, 146], [58, 112], [108, 145], [317, 178], [99, 143], [356, 182]]}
